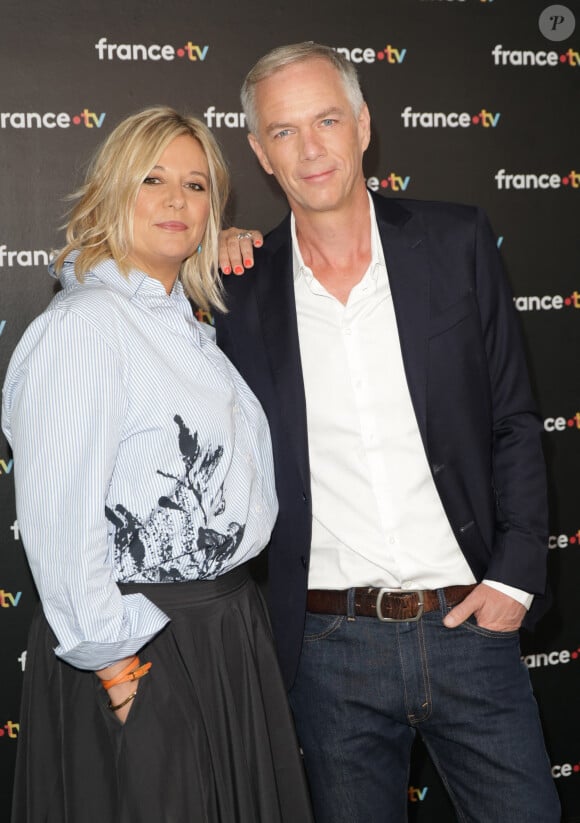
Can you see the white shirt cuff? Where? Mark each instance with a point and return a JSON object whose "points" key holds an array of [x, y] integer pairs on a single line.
{"points": [[525, 598]]}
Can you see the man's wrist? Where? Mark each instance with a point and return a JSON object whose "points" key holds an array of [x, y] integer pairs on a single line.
{"points": [[525, 598]]}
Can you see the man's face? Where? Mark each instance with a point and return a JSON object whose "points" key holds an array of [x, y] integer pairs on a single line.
{"points": [[309, 138]]}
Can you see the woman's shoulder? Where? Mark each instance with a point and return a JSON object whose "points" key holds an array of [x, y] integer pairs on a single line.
{"points": [[72, 319]]}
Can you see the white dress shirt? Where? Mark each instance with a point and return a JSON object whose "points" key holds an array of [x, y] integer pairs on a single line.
{"points": [[377, 517]]}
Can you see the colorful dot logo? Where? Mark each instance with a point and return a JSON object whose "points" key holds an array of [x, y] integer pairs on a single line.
{"points": [[10, 729], [395, 182], [392, 55], [88, 119]]}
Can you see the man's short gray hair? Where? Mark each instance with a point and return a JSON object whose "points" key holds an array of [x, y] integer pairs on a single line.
{"points": [[283, 56]]}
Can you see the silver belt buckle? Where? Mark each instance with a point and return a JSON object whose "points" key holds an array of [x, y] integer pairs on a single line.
{"points": [[418, 592]]}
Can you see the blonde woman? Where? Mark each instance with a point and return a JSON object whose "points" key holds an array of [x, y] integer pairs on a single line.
{"points": [[152, 691]]}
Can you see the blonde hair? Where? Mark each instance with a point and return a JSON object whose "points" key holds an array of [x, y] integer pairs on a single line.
{"points": [[100, 224], [283, 56]]}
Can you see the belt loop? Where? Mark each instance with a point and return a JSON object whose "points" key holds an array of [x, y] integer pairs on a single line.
{"points": [[443, 602], [350, 605]]}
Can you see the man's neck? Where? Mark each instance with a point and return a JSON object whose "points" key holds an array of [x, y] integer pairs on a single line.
{"points": [[336, 245]]}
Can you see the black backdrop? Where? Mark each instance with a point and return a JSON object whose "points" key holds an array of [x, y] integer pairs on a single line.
{"points": [[470, 102]]}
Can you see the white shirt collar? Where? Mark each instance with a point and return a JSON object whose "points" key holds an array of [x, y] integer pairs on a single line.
{"points": [[376, 265]]}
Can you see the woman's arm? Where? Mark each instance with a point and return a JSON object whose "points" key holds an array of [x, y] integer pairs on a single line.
{"points": [[65, 403]]}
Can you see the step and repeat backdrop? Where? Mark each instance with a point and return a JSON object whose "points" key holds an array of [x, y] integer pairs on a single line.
{"points": [[475, 101]]}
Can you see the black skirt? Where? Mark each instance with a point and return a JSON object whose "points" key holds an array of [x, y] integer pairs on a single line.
{"points": [[209, 738]]}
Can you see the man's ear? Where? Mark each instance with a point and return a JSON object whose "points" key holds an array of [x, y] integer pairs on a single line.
{"points": [[260, 153], [364, 126]]}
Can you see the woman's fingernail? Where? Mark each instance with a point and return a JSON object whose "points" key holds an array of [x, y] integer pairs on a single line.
{"points": [[226, 270], [238, 270]]}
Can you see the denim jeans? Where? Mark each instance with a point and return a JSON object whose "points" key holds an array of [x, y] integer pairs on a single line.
{"points": [[365, 688]]}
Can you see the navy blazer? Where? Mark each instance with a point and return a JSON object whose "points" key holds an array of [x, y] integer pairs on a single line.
{"points": [[466, 371]]}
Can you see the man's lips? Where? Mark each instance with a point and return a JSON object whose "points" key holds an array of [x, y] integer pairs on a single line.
{"points": [[172, 225], [318, 176]]}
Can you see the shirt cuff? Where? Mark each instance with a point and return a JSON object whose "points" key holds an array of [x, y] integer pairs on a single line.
{"points": [[525, 598], [142, 621]]}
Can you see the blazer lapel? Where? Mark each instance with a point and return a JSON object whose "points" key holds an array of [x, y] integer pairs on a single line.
{"points": [[277, 308], [405, 248]]}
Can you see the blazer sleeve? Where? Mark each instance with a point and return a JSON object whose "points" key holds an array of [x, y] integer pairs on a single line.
{"points": [[518, 470]]}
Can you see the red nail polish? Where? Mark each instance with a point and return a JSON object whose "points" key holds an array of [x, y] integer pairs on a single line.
{"points": [[226, 270], [247, 262], [238, 270], [257, 242]]}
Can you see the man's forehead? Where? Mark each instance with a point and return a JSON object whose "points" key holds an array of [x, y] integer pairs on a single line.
{"points": [[301, 83], [316, 67]]}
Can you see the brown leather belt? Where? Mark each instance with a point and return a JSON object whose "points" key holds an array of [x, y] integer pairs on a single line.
{"points": [[386, 604]]}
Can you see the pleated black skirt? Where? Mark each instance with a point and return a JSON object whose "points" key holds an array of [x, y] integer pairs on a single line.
{"points": [[209, 738]]}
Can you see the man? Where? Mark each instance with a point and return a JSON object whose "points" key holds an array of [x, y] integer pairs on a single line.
{"points": [[380, 337]]}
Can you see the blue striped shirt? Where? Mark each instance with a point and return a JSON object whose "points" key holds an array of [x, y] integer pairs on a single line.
{"points": [[140, 455]]}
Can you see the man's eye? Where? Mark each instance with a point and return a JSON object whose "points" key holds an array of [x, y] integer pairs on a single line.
{"points": [[283, 133]]}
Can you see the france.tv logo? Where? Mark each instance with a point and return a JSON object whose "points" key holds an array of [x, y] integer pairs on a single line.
{"points": [[51, 120], [451, 120], [515, 57], [190, 52], [548, 180], [390, 55]]}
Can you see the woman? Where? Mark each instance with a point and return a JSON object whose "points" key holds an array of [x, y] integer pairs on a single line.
{"points": [[151, 691]]}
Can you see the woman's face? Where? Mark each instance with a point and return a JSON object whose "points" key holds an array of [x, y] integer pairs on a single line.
{"points": [[171, 210]]}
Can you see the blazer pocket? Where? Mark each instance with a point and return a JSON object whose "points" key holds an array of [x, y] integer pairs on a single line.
{"points": [[452, 316]]}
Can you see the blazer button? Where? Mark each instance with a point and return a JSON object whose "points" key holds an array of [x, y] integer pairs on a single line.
{"points": [[304, 498], [303, 561]]}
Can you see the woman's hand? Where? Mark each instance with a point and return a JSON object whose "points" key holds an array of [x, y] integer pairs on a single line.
{"points": [[118, 694], [236, 249]]}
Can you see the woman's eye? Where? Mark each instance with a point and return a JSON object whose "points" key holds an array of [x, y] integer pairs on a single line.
{"points": [[151, 181]]}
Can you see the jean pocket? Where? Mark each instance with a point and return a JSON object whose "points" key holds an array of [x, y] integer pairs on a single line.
{"points": [[321, 626], [102, 696], [471, 625]]}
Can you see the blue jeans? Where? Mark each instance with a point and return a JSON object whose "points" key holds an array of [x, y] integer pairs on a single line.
{"points": [[363, 690]]}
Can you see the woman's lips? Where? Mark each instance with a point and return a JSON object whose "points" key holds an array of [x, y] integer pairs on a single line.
{"points": [[172, 225]]}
